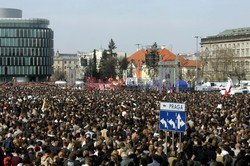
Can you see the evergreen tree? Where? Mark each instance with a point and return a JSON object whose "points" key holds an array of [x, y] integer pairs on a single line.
{"points": [[107, 66], [123, 65], [89, 69], [94, 68], [109, 62], [111, 47]]}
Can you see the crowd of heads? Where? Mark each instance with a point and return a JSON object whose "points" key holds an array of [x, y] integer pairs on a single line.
{"points": [[47, 125]]}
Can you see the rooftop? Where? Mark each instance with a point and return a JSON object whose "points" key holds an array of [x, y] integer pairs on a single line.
{"points": [[229, 35], [238, 31]]}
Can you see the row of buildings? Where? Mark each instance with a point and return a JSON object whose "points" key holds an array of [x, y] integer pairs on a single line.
{"points": [[75, 65], [27, 54], [78, 66]]}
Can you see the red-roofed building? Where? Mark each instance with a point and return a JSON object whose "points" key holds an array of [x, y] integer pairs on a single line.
{"points": [[166, 66]]}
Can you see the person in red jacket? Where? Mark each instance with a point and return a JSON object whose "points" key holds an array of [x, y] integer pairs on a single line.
{"points": [[7, 160]]}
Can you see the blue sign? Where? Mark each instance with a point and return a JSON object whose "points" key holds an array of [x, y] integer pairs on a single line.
{"points": [[174, 119]]}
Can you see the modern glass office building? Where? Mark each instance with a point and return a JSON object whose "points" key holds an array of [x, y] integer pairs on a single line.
{"points": [[26, 47]]}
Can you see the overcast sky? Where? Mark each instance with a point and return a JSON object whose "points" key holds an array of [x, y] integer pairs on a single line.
{"points": [[83, 25]]}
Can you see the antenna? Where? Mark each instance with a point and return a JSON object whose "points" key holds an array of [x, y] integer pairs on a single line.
{"points": [[138, 46]]}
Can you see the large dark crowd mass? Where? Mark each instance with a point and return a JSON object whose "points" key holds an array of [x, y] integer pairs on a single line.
{"points": [[49, 126]]}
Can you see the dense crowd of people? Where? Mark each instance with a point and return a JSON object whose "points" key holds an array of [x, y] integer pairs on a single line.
{"points": [[47, 125]]}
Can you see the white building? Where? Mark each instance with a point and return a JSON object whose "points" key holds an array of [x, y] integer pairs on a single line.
{"points": [[236, 40], [70, 65], [88, 56]]}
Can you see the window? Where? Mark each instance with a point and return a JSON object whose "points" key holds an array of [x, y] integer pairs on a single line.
{"points": [[10, 51], [41, 70], [29, 32], [47, 61], [21, 51], [247, 51], [242, 63], [8, 61], [38, 33], [238, 64], [6, 33], [2, 32], [44, 70], [38, 70], [11, 42], [3, 61], [26, 70], [247, 65], [21, 61], [83, 62], [12, 60], [22, 70], [39, 42], [7, 51], [22, 42], [238, 52], [25, 51], [33, 53], [21, 32], [7, 42], [27, 61], [17, 33], [15, 42], [25, 33], [35, 61], [33, 32], [41, 52], [34, 43], [31, 61]]}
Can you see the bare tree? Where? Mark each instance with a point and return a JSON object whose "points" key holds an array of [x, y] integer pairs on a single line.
{"points": [[58, 75], [220, 62], [189, 76], [204, 61], [239, 71]]}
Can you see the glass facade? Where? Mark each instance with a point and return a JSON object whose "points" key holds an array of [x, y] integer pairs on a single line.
{"points": [[26, 49]]}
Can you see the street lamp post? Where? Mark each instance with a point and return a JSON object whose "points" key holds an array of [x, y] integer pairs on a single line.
{"points": [[196, 58], [177, 74]]}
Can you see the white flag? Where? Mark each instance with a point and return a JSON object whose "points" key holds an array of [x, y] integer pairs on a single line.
{"points": [[228, 86]]}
